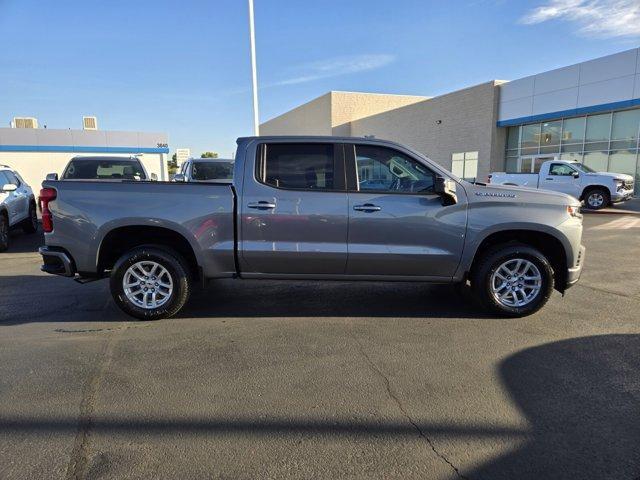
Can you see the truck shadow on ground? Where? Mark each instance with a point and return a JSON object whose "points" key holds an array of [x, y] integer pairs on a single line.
{"points": [[45, 298], [262, 298], [580, 397]]}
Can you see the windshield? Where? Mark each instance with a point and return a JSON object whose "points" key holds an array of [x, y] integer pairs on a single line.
{"points": [[104, 170], [212, 171], [583, 168]]}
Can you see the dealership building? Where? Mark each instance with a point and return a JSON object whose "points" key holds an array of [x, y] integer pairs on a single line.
{"points": [[35, 152], [588, 112]]}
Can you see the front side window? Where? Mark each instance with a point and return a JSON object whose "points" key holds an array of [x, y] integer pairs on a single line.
{"points": [[298, 166], [104, 170], [3, 178], [381, 169], [561, 169]]}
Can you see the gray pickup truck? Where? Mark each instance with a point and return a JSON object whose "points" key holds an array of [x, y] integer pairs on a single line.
{"points": [[321, 208]]}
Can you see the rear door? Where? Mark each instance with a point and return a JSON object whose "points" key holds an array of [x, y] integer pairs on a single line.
{"points": [[398, 225], [9, 199], [294, 213], [21, 196]]}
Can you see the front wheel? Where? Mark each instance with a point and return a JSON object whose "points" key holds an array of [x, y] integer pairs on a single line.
{"points": [[150, 283], [513, 280], [596, 199]]}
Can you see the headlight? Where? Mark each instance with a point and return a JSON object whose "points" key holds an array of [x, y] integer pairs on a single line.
{"points": [[574, 211]]}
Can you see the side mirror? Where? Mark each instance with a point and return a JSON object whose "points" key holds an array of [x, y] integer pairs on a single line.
{"points": [[154, 177], [51, 177], [9, 187], [446, 188], [179, 177], [575, 174]]}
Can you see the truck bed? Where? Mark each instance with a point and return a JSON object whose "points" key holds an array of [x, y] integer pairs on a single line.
{"points": [[204, 214]]}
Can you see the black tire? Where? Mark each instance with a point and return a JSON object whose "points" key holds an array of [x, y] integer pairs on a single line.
{"points": [[4, 232], [481, 280], [597, 198], [174, 265], [30, 225]]}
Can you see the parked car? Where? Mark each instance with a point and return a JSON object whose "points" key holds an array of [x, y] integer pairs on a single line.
{"points": [[296, 209], [17, 205], [205, 170], [597, 189], [105, 168]]}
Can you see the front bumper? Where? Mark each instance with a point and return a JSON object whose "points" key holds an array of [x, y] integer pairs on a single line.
{"points": [[57, 261], [573, 273], [621, 196]]}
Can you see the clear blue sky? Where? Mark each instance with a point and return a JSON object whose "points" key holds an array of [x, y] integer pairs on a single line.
{"points": [[182, 67]]}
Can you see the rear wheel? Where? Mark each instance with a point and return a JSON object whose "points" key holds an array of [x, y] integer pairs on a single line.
{"points": [[30, 224], [596, 199], [513, 280], [4, 232], [150, 283]]}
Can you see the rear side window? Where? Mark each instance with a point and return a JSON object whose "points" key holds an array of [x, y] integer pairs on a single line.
{"points": [[212, 171], [299, 166], [104, 170]]}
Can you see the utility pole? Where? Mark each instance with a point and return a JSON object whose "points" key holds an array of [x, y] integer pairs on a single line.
{"points": [[254, 75]]}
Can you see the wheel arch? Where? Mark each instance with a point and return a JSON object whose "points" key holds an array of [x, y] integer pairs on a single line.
{"points": [[119, 240], [590, 188], [550, 245]]}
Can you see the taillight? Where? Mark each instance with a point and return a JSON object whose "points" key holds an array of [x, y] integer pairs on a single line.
{"points": [[46, 195]]}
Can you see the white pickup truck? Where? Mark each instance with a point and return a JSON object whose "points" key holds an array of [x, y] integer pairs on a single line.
{"points": [[596, 189]]}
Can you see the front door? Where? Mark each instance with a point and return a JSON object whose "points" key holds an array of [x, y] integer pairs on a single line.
{"points": [[294, 215], [562, 178], [398, 225]]}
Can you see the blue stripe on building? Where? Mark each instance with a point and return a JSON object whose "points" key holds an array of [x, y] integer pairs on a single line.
{"points": [[575, 112], [80, 149]]}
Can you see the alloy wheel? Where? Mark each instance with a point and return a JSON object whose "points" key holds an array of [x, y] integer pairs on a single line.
{"points": [[147, 284], [516, 282]]}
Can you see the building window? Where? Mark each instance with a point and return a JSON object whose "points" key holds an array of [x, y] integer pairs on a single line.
{"points": [[605, 142], [465, 165]]}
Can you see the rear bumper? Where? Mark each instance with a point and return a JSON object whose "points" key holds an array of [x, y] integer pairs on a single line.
{"points": [[57, 261], [573, 273]]}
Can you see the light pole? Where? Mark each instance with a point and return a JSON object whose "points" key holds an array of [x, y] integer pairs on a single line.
{"points": [[254, 75]]}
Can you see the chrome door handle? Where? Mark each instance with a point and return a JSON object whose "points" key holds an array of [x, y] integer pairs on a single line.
{"points": [[262, 205], [367, 207], [549, 178]]}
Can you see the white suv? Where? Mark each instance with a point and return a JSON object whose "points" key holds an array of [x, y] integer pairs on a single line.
{"points": [[17, 205]]}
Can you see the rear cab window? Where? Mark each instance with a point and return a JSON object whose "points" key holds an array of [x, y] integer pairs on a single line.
{"points": [[299, 166], [104, 170]]}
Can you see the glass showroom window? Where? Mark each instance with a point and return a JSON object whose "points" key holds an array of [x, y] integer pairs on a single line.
{"points": [[604, 142], [465, 165], [550, 137]]}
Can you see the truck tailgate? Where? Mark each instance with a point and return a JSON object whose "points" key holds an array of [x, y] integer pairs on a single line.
{"points": [[84, 212]]}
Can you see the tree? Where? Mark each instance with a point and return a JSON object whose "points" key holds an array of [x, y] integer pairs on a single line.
{"points": [[209, 155], [173, 164]]}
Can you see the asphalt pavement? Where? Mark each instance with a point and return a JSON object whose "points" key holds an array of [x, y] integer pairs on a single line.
{"points": [[323, 380]]}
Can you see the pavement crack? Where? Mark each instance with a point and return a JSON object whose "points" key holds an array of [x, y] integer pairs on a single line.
{"points": [[392, 395], [79, 458]]}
